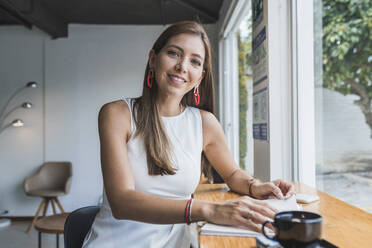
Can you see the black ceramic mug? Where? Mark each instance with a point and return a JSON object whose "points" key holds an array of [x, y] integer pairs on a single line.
{"points": [[295, 228]]}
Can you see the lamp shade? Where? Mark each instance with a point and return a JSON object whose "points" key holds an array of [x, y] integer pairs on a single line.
{"points": [[31, 85], [27, 105], [17, 123]]}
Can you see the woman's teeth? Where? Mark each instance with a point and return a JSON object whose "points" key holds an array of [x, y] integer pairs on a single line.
{"points": [[178, 80]]}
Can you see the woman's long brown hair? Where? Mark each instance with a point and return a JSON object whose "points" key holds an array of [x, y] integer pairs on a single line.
{"points": [[146, 116]]}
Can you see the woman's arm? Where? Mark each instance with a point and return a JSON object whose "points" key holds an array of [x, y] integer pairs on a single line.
{"points": [[217, 152], [219, 155]]}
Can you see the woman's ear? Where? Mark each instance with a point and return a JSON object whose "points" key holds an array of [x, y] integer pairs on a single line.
{"points": [[152, 57]]}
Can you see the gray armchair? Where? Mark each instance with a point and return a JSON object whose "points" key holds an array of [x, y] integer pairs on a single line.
{"points": [[53, 179]]}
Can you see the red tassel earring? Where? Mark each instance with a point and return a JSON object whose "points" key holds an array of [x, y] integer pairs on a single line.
{"points": [[196, 96], [150, 78]]}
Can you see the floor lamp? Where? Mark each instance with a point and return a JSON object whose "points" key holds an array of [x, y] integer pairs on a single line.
{"points": [[15, 123]]}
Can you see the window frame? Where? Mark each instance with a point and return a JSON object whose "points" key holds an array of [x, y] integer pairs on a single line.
{"points": [[293, 129], [303, 133]]}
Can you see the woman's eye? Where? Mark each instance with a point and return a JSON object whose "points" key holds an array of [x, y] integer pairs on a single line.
{"points": [[196, 62], [173, 53]]}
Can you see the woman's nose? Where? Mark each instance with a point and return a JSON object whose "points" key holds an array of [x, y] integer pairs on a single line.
{"points": [[181, 65]]}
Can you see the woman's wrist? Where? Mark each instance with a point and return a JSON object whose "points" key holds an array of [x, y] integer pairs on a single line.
{"points": [[253, 182], [201, 210]]}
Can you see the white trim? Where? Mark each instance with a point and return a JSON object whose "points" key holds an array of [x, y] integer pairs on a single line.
{"points": [[229, 104], [221, 73], [306, 91], [240, 10], [294, 93], [227, 13]]}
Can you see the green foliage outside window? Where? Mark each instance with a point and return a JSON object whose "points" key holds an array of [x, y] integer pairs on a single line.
{"points": [[244, 57], [243, 104]]}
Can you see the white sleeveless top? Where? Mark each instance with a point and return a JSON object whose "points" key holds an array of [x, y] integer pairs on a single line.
{"points": [[185, 133]]}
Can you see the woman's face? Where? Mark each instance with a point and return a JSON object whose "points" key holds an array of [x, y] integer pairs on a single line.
{"points": [[179, 64]]}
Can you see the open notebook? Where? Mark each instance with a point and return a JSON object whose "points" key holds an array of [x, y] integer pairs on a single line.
{"points": [[219, 230]]}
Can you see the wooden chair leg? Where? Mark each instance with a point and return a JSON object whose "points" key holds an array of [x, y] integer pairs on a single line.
{"points": [[54, 206], [46, 207], [59, 205], [39, 242], [36, 215]]}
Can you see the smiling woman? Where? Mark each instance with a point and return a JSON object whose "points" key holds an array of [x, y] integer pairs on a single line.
{"points": [[153, 148], [182, 64]]}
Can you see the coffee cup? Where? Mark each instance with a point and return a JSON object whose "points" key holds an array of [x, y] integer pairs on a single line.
{"points": [[295, 228]]}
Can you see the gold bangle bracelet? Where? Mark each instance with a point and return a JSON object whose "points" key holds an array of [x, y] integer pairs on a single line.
{"points": [[250, 183]]}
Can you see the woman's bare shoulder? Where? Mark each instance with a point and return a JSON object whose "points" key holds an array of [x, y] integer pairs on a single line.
{"points": [[115, 114], [212, 129], [208, 118]]}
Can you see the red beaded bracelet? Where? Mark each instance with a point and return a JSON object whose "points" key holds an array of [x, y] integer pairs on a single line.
{"points": [[187, 212]]}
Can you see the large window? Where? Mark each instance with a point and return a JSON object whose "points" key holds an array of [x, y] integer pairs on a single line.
{"points": [[343, 95], [235, 82]]}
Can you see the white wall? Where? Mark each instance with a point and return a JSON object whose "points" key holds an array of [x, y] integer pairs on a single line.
{"points": [[94, 65], [20, 149]]}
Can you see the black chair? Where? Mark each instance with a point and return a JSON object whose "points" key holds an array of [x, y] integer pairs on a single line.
{"points": [[77, 226]]}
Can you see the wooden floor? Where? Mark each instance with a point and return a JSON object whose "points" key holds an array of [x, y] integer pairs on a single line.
{"points": [[15, 236]]}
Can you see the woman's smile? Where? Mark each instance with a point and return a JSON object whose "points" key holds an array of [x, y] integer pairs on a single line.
{"points": [[176, 79]]}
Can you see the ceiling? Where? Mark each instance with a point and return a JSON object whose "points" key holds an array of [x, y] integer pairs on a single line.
{"points": [[53, 16]]}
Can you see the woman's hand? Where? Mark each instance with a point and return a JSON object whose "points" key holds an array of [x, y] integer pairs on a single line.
{"points": [[276, 189], [243, 212]]}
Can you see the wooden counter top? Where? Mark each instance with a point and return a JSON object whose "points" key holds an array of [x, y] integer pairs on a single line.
{"points": [[343, 224]]}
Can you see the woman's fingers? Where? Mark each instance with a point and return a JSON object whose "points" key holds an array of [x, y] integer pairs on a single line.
{"points": [[267, 205], [245, 212], [276, 191], [279, 189], [291, 190], [250, 224], [286, 187], [259, 211], [264, 209], [260, 206], [270, 189], [255, 219]]}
